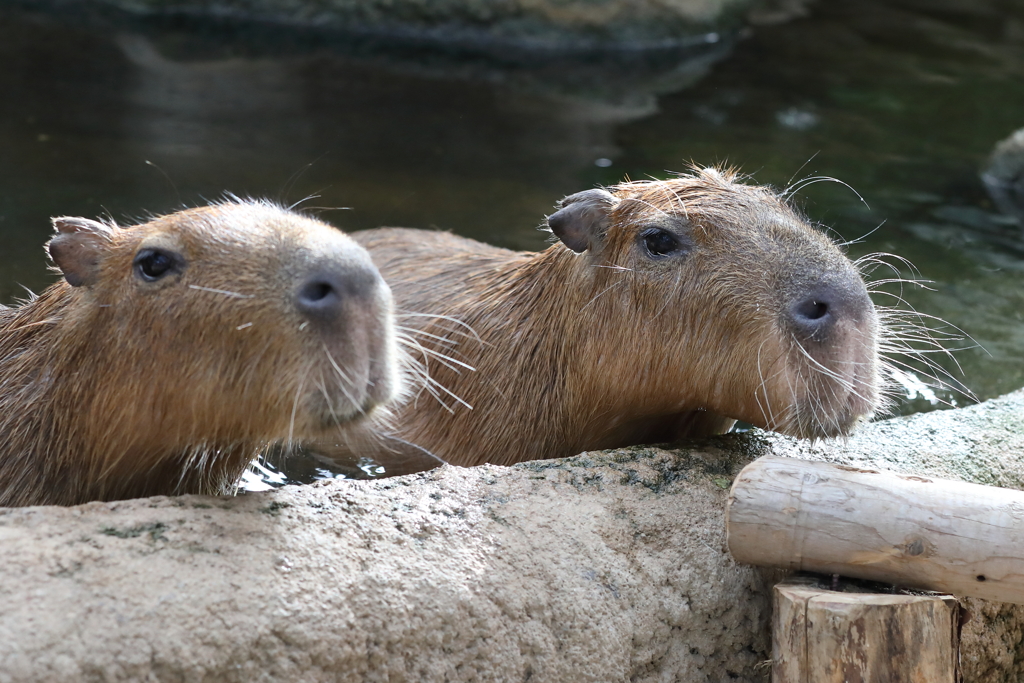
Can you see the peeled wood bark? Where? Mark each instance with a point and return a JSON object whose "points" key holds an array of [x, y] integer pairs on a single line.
{"points": [[935, 534], [822, 636]]}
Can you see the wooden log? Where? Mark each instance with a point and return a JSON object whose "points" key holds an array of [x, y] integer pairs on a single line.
{"points": [[934, 534], [823, 636]]}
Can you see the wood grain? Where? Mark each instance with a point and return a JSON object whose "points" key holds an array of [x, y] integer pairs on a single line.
{"points": [[822, 636], [928, 533]]}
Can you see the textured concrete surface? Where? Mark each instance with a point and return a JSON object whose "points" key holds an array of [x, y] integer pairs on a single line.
{"points": [[603, 567]]}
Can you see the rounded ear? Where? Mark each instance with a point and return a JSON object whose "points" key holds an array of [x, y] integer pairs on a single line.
{"points": [[78, 248], [582, 219]]}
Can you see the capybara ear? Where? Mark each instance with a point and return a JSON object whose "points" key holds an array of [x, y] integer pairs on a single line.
{"points": [[78, 247], [582, 219]]}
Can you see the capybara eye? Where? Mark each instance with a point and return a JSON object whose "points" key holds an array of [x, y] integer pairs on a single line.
{"points": [[153, 264], [659, 242]]}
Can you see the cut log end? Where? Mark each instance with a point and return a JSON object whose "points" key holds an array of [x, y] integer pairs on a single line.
{"points": [[824, 636]]}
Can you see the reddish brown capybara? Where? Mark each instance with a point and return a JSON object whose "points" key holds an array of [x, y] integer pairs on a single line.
{"points": [[667, 309], [173, 352]]}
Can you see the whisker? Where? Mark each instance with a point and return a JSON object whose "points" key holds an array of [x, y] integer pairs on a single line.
{"points": [[447, 318], [224, 292], [427, 382], [295, 409], [416, 332], [807, 182], [862, 237], [790, 181], [345, 379], [599, 294]]}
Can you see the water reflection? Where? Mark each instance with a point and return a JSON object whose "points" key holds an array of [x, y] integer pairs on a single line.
{"points": [[129, 119]]}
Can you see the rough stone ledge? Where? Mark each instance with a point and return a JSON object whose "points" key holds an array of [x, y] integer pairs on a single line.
{"points": [[604, 567]]}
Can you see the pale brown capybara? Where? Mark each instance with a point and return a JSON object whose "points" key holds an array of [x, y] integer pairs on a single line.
{"points": [[667, 309], [174, 351]]}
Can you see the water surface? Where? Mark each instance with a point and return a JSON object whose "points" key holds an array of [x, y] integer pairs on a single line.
{"points": [[901, 100]]}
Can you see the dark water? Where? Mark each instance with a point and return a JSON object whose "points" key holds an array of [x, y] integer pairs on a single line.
{"points": [[901, 100]]}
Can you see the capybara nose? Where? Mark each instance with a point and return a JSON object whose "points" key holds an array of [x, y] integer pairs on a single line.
{"points": [[324, 293], [812, 317], [816, 311]]}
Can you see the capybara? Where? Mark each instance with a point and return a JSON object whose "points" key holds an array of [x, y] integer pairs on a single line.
{"points": [[174, 351], [667, 309]]}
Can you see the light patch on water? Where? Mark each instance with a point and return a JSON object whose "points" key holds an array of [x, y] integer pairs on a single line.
{"points": [[913, 387], [303, 468], [320, 473], [797, 119], [261, 478], [371, 467]]}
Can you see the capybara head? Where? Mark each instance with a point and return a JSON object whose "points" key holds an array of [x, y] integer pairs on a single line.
{"points": [[736, 304], [179, 347]]}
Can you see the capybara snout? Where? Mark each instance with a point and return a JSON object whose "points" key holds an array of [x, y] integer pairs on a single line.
{"points": [[339, 298], [175, 350], [340, 301]]}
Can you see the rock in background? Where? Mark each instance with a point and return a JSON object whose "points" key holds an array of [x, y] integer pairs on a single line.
{"points": [[530, 24], [1003, 175]]}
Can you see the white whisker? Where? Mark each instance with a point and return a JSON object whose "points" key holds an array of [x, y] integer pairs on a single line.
{"points": [[224, 292]]}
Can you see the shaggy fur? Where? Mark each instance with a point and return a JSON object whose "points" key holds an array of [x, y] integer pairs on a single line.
{"points": [[613, 346]]}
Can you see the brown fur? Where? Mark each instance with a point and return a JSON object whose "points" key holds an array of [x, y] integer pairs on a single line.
{"points": [[123, 388], [611, 347]]}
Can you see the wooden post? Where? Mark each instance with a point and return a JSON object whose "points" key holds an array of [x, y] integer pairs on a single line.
{"points": [[934, 534], [823, 636]]}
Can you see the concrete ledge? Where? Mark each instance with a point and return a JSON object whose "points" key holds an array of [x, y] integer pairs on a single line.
{"points": [[603, 567]]}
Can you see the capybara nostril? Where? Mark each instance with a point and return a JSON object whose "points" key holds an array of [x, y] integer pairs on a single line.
{"points": [[320, 295], [816, 311], [813, 309], [324, 293], [813, 316]]}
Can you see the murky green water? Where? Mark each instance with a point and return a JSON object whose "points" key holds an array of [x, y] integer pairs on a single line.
{"points": [[900, 100]]}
